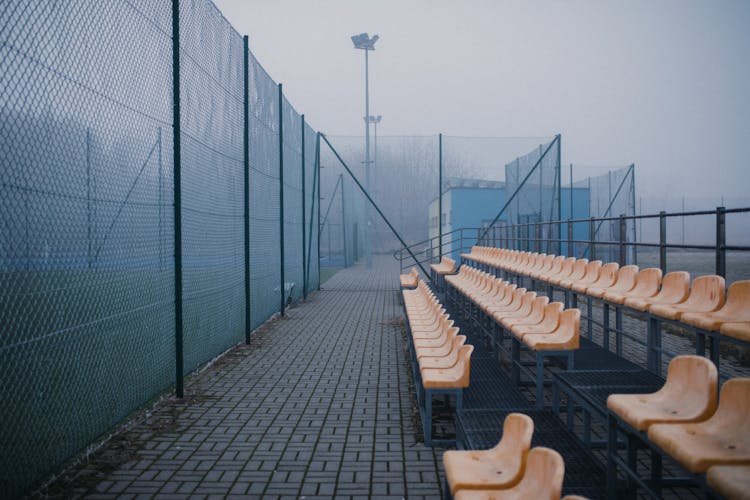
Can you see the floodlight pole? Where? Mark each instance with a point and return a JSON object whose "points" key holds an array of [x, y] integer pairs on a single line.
{"points": [[368, 227]]}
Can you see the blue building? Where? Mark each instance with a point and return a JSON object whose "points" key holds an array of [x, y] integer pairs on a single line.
{"points": [[474, 203]]}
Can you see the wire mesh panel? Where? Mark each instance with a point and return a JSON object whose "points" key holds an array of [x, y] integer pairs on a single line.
{"points": [[292, 200], [212, 182], [611, 193], [265, 230], [535, 180], [86, 268]]}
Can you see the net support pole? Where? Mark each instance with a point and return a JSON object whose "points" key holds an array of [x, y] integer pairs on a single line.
{"points": [[343, 221], [559, 194], [320, 199], [304, 250], [177, 168], [440, 196], [281, 199], [312, 215], [380, 212], [246, 165]]}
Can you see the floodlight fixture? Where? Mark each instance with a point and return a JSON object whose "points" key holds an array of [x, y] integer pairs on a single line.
{"points": [[364, 42]]}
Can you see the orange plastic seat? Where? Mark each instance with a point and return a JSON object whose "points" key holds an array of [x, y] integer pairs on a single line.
{"points": [[534, 317], [706, 295], [554, 268], [731, 481], [496, 468], [590, 275], [688, 395], [565, 337], [647, 285], [574, 497], [625, 282], [675, 289], [564, 272], [723, 439], [409, 280], [455, 377], [446, 266], [548, 324], [737, 330], [579, 270], [515, 302], [447, 361], [542, 480], [523, 307], [424, 350], [606, 278], [446, 336], [735, 309]]}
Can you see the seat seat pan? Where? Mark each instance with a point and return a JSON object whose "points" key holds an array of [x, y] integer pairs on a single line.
{"points": [[482, 469], [643, 410], [731, 481], [737, 330]]}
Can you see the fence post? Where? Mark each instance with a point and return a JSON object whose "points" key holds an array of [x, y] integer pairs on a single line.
{"points": [[721, 242], [623, 237], [281, 196], [592, 239], [538, 237], [246, 160], [320, 199], [343, 221], [304, 248], [440, 196], [177, 181], [663, 241]]}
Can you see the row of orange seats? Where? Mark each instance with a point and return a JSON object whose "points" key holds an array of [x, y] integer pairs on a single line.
{"points": [[532, 319], [685, 420], [439, 352], [705, 305]]}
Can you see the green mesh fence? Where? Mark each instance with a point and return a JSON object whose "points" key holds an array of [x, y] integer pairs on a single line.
{"points": [[535, 180], [87, 275]]}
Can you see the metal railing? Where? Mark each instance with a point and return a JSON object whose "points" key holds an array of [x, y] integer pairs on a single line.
{"points": [[530, 237]]}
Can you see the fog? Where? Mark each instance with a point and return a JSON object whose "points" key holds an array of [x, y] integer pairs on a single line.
{"points": [[659, 84]]}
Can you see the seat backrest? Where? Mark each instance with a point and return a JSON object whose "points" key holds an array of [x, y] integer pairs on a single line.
{"points": [[608, 274], [567, 266], [570, 326], [544, 474], [518, 429], [707, 293], [675, 286], [738, 299], [696, 377], [552, 313], [734, 407], [648, 282], [579, 268], [626, 278], [537, 307], [557, 264], [464, 360]]}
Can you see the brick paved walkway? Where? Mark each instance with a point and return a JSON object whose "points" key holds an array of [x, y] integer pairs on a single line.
{"points": [[318, 405]]}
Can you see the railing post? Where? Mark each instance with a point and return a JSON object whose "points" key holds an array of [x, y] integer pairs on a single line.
{"points": [[177, 180], [570, 252], [663, 241], [623, 236], [538, 237], [592, 239], [721, 242], [246, 161], [281, 197], [343, 222]]}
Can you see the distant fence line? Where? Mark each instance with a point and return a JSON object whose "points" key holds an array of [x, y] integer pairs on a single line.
{"points": [[158, 195]]}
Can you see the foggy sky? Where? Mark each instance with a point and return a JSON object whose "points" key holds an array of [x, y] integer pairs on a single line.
{"points": [[662, 84]]}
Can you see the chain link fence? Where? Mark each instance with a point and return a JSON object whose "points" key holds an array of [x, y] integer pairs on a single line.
{"points": [[87, 196]]}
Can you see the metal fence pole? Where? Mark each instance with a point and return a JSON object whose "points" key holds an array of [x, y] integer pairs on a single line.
{"points": [[281, 196], [246, 160], [570, 252], [440, 196], [304, 250], [721, 242], [623, 236], [592, 239], [663, 241], [343, 221], [177, 169], [320, 200]]}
